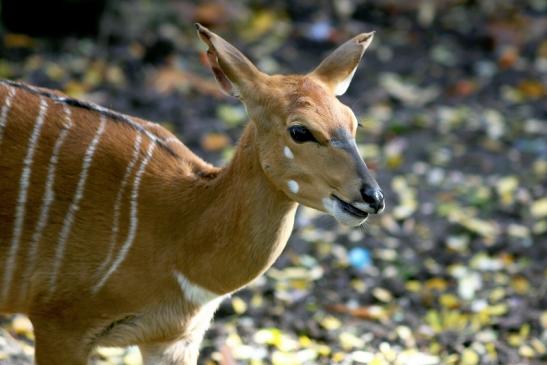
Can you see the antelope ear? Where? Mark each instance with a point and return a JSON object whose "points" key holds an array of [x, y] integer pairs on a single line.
{"points": [[337, 70], [231, 68]]}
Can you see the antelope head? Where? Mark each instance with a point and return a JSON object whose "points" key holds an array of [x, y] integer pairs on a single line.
{"points": [[305, 135]]}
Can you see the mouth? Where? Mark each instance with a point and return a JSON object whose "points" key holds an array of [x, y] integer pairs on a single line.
{"points": [[350, 209]]}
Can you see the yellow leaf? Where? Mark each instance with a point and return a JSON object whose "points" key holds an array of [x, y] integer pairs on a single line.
{"points": [[284, 358], [449, 301], [538, 346], [497, 309], [239, 305], [497, 294], [469, 357], [330, 323], [349, 341], [382, 295], [506, 189], [22, 326], [132, 358], [338, 357], [539, 208], [526, 351], [260, 23], [520, 285], [413, 286], [532, 89], [108, 352], [75, 89], [394, 161], [257, 301], [436, 284], [55, 72], [305, 341], [324, 350], [543, 319]]}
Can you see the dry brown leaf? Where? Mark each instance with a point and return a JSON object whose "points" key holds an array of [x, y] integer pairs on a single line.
{"points": [[215, 141]]}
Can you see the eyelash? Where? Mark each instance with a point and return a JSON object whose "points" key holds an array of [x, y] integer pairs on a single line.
{"points": [[301, 134]]}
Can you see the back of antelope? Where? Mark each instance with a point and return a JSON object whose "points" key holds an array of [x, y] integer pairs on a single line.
{"points": [[113, 233]]}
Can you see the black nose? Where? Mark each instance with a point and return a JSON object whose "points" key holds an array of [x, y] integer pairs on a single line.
{"points": [[374, 197]]}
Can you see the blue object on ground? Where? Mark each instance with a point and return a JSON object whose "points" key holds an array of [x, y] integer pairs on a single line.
{"points": [[359, 258]]}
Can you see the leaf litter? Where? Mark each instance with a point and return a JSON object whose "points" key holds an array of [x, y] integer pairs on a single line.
{"points": [[452, 103]]}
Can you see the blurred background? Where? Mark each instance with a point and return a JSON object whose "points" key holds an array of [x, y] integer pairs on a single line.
{"points": [[452, 98]]}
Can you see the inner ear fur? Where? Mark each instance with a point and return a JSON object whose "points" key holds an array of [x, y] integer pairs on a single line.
{"points": [[337, 70], [231, 68]]}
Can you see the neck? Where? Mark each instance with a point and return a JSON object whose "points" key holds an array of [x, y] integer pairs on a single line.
{"points": [[241, 226]]}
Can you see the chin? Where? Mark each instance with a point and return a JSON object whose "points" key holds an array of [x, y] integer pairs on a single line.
{"points": [[344, 214]]}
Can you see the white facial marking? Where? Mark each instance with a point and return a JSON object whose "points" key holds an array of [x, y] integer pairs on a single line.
{"points": [[75, 205], [20, 208], [133, 217], [293, 186], [288, 153], [333, 208], [118, 201], [49, 193], [193, 292], [329, 205]]}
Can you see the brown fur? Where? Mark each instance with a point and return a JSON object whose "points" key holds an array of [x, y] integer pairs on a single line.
{"points": [[221, 228]]}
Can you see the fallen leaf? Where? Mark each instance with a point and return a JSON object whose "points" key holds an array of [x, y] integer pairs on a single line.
{"points": [[215, 141]]}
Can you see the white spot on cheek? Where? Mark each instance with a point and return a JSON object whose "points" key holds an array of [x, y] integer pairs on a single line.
{"points": [[293, 186], [288, 153]]}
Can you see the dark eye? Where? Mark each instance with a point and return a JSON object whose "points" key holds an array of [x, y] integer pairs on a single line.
{"points": [[301, 134]]}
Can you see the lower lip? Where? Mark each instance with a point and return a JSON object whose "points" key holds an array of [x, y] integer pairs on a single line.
{"points": [[350, 209]]}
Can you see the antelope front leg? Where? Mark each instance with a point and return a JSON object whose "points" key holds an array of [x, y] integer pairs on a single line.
{"points": [[58, 343], [182, 352]]}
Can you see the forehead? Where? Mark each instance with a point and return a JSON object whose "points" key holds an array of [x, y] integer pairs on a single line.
{"points": [[311, 100]]}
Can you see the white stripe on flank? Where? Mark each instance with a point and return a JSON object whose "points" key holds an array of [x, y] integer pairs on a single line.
{"points": [[49, 194], [133, 218], [118, 202], [172, 139], [74, 205], [5, 110], [192, 292], [22, 198], [127, 119]]}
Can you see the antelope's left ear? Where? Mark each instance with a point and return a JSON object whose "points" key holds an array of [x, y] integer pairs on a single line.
{"points": [[337, 70], [233, 71]]}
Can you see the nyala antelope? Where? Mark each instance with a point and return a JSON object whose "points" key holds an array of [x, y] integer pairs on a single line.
{"points": [[113, 233]]}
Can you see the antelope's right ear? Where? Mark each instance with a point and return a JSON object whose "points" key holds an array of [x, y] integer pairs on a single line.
{"points": [[337, 70], [233, 71]]}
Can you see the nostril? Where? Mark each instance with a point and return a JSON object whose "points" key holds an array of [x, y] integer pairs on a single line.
{"points": [[373, 197]]}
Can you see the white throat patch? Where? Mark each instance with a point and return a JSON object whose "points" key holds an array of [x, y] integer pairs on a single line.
{"points": [[193, 292]]}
